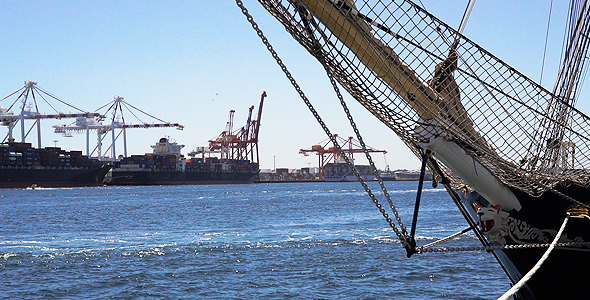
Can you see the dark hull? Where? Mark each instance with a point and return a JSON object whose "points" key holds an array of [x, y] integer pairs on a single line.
{"points": [[19, 177], [161, 177], [564, 273]]}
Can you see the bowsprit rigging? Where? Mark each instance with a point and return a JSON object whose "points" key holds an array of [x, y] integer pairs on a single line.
{"points": [[117, 121], [514, 156]]}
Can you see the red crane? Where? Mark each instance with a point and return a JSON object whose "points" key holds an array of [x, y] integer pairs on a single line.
{"points": [[327, 152], [241, 144]]}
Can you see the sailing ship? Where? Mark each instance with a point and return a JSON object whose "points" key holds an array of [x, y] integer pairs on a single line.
{"points": [[513, 155]]}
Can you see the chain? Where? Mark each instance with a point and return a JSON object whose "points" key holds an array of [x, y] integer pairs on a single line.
{"points": [[401, 234], [364, 146], [321, 58], [422, 250], [279, 61], [450, 237]]}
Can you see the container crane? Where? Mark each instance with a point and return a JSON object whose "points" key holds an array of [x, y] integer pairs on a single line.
{"points": [[222, 143], [29, 110], [253, 142], [241, 144], [117, 121], [327, 152]]}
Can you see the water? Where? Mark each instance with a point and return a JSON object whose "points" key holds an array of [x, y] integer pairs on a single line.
{"points": [[263, 241]]}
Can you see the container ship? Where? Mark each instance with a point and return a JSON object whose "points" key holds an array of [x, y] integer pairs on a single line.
{"points": [[166, 166], [230, 158], [24, 166], [342, 172], [411, 175]]}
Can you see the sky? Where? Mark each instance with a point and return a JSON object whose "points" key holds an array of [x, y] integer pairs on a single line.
{"points": [[191, 62]]}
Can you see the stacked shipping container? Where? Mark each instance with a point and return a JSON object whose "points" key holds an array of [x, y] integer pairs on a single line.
{"points": [[23, 155]]}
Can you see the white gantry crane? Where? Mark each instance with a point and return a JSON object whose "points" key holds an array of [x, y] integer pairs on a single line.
{"points": [[28, 104], [117, 121]]}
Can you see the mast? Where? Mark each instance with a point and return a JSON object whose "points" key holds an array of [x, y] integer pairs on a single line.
{"points": [[554, 152]]}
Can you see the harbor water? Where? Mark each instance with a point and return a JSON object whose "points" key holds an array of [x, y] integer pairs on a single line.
{"points": [[260, 241]]}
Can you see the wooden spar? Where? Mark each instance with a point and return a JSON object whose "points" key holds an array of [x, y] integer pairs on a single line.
{"points": [[385, 64], [382, 61]]}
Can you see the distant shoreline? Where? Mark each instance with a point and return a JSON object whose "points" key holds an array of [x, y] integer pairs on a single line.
{"points": [[286, 181], [313, 180]]}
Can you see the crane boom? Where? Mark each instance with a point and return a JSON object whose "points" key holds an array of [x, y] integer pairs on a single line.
{"points": [[258, 124], [326, 152], [29, 115], [239, 144], [29, 110], [146, 125], [117, 122]]}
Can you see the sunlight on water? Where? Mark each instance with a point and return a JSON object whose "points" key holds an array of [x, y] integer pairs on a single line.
{"points": [[300, 240]]}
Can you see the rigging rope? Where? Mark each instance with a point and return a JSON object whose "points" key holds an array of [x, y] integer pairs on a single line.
{"points": [[507, 109], [500, 89], [440, 241], [546, 40], [321, 57], [569, 245], [466, 15]]}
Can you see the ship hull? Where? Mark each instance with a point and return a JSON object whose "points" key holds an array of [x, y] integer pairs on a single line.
{"points": [[162, 177], [411, 176], [348, 178], [563, 274], [19, 177], [338, 172]]}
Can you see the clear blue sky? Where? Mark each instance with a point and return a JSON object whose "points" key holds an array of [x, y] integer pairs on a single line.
{"points": [[192, 61]]}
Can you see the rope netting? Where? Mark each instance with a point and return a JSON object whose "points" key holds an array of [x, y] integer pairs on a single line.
{"points": [[423, 79]]}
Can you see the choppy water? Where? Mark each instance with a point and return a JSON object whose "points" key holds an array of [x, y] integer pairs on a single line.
{"points": [[263, 241]]}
